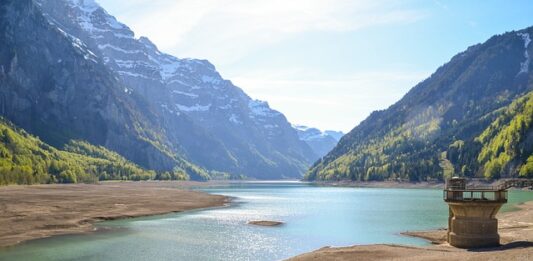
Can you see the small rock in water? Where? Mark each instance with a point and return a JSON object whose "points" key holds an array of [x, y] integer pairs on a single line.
{"points": [[265, 223]]}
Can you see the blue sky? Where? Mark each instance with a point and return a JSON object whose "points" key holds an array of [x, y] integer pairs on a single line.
{"points": [[323, 63]]}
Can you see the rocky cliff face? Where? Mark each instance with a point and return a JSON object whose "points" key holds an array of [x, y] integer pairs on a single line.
{"points": [[54, 86], [183, 106]]}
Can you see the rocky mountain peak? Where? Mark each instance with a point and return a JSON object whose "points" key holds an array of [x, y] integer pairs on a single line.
{"points": [[320, 141], [188, 94]]}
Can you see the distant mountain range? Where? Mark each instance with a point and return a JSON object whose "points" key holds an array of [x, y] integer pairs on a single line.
{"points": [[70, 71], [320, 142], [472, 117]]}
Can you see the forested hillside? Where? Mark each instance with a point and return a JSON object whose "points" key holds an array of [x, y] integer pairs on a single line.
{"points": [[459, 121], [24, 159], [506, 146]]}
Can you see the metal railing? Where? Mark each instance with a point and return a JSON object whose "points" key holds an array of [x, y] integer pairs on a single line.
{"points": [[475, 195], [503, 184], [515, 183]]}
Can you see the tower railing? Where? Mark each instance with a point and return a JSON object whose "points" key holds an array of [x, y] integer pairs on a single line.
{"points": [[462, 195], [457, 189]]}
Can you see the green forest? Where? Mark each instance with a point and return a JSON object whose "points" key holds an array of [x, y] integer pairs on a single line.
{"points": [[24, 159], [472, 117], [506, 146], [417, 150]]}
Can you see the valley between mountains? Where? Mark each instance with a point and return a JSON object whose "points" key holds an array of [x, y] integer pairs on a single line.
{"points": [[71, 74], [83, 99]]}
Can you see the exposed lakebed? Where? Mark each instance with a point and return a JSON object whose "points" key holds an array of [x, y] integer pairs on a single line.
{"points": [[312, 217]]}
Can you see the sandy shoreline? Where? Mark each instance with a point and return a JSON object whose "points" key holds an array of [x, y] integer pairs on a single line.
{"points": [[39, 211], [515, 228]]}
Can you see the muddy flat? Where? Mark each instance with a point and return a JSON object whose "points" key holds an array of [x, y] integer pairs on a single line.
{"points": [[31, 212]]}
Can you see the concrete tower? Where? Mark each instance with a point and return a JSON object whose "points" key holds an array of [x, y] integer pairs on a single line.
{"points": [[472, 222]]}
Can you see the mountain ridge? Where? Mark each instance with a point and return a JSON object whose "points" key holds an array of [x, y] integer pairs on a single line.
{"points": [[41, 97], [180, 112], [407, 140], [321, 142]]}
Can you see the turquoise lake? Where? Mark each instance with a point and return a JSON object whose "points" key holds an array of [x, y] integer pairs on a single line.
{"points": [[314, 217]]}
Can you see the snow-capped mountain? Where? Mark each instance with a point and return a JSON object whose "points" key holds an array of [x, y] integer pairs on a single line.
{"points": [[208, 119], [53, 85], [337, 135], [320, 142]]}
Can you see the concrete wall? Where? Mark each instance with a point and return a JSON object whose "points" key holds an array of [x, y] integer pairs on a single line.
{"points": [[473, 224]]}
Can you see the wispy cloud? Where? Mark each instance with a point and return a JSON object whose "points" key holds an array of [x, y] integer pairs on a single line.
{"points": [[224, 30]]}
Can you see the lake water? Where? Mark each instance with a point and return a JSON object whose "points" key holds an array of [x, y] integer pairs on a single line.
{"points": [[314, 217]]}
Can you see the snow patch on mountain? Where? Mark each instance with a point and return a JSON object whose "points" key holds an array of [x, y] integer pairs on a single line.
{"points": [[261, 109], [271, 126], [307, 133], [235, 119], [337, 135], [321, 142], [210, 79], [191, 95], [85, 19], [113, 23], [137, 75], [104, 46], [130, 64], [300, 127], [196, 107], [80, 46], [87, 7], [168, 67]]}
